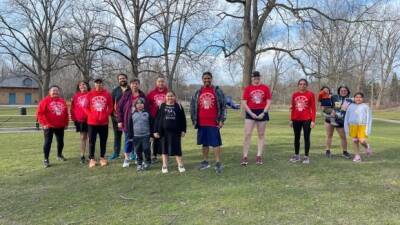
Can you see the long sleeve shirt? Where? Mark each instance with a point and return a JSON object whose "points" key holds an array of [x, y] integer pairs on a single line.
{"points": [[358, 114]]}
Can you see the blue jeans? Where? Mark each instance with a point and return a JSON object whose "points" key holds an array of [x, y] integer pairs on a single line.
{"points": [[128, 148]]}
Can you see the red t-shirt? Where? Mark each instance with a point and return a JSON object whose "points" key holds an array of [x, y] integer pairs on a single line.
{"points": [[256, 96], [134, 98], [155, 98], [303, 106], [78, 104], [99, 108], [207, 106], [53, 112]]}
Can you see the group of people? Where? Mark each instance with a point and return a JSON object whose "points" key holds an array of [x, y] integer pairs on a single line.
{"points": [[154, 124]]}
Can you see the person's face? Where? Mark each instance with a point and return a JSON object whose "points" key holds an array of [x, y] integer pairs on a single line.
{"points": [[302, 85], [160, 83], [170, 98], [98, 85], [140, 106], [255, 80], [134, 86], [207, 79], [326, 90], [122, 81], [343, 92], [358, 99], [82, 87], [54, 92]]}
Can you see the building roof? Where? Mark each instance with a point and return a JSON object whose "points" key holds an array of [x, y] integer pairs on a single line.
{"points": [[19, 81]]}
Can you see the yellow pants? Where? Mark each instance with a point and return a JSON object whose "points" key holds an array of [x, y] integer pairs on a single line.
{"points": [[358, 131]]}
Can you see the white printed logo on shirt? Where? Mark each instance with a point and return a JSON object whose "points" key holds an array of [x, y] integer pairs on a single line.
{"points": [[257, 96], [170, 113], [56, 108], [207, 100], [300, 103], [83, 101], [99, 103], [159, 99]]}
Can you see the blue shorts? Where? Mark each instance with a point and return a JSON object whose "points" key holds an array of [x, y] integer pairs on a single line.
{"points": [[209, 136]]}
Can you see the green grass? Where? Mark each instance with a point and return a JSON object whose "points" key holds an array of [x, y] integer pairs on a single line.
{"points": [[328, 191]]}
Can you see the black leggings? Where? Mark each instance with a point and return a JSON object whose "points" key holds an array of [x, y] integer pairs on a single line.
{"points": [[103, 134], [306, 126], [117, 136], [48, 139]]}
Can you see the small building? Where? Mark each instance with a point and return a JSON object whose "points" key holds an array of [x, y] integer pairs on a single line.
{"points": [[18, 90]]}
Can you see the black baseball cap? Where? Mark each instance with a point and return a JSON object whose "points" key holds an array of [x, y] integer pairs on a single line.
{"points": [[255, 74]]}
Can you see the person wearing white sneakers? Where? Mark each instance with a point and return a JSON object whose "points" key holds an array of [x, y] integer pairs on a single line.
{"points": [[170, 127]]}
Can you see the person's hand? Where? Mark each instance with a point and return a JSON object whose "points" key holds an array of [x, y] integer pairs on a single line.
{"points": [[156, 135], [261, 115], [45, 127], [312, 124], [183, 134], [120, 125], [220, 124], [290, 123], [253, 115], [333, 113]]}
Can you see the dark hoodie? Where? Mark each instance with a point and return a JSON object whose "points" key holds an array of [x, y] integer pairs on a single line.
{"points": [[338, 101]]}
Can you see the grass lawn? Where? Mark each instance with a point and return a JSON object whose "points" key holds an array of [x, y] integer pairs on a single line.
{"points": [[328, 191]]}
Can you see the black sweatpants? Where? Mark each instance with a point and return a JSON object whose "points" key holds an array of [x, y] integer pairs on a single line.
{"points": [[102, 130], [48, 139], [117, 135], [142, 145], [306, 126]]}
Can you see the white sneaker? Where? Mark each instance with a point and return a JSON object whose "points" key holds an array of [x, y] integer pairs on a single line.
{"points": [[126, 163], [181, 169], [164, 170]]}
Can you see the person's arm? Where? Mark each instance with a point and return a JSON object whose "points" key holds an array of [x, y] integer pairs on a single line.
{"points": [[222, 116], [346, 120], [291, 109], [183, 120], [41, 114], [313, 110], [72, 110], [66, 116], [269, 101], [369, 120], [110, 105], [157, 122]]}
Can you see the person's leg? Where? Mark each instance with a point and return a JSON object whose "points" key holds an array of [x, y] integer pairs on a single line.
{"points": [[217, 153], [146, 149], [261, 137], [84, 139], [297, 125], [343, 140], [356, 147], [307, 134], [248, 130], [138, 150], [48, 139], [128, 147], [92, 134], [329, 134], [205, 151], [103, 135], [117, 138], [60, 141]]}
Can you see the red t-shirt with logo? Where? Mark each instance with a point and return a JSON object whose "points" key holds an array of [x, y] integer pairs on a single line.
{"points": [[53, 112], [100, 107], [207, 106], [78, 104], [256, 96], [155, 98], [303, 106]]}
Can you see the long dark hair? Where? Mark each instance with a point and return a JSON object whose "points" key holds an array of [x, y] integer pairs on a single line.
{"points": [[87, 86]]}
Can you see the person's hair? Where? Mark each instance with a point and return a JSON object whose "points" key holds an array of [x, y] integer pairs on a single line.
{"points": [[359, 93], [140, 101], [302, 79], [135, 80], [256, 74], [122, 74], [207, 73], [54, 86], [347, 88], [87, 85], [172, 92], [323, 87]]}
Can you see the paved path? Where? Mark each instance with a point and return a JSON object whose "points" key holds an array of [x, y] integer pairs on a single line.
{"points": [[388, 121]]}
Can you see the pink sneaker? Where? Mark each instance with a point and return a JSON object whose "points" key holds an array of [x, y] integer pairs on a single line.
{"points": [[357, 159], [244, 161], [368, 151], [259, 160]]}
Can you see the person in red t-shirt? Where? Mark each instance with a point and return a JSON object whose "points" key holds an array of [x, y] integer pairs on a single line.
{"points": [[302, 117], [99, 109], [155, 98], [78, 103], [256, 101], [52, 114]]}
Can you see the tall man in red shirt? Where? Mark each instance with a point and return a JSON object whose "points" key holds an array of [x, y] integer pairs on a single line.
{"points": [[208, 113], [52, 114], [155, 98]]}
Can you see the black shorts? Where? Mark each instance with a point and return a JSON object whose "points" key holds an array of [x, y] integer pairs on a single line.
{"points": [[171, 144], [258, 112], [340, 123], [81, 126]]}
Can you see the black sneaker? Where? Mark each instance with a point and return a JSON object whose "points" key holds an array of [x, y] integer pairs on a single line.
{"points": [[46, 163], [346, 154], [83, 160], [204, 165], [328, 153], [61, 158], [218, 167]]}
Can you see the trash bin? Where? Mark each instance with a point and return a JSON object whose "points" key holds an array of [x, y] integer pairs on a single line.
{"points": [[22, 110]]}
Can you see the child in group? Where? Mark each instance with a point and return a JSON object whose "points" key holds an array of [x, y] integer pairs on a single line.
{"points": [[139, 133], [324, 98], [357, 123], [170, 126]]}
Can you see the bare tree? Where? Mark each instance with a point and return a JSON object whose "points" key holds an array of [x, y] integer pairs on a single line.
{"points": [[29, 33]]}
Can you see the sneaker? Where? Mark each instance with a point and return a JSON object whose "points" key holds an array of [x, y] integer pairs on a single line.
{"points": [[115, 155], [357, 159], [204, 165], [46, 163], [126, 163], [82, 160], [146, 166], [244, 161], [295, 159], [61, 158], [259, 160], [164, 169], [368, 150], [92, 163], [133, 156], [181, 169], [346, 155], [328, 153], [103, 162], [218, 167], [139, 168], [306, 160]]}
